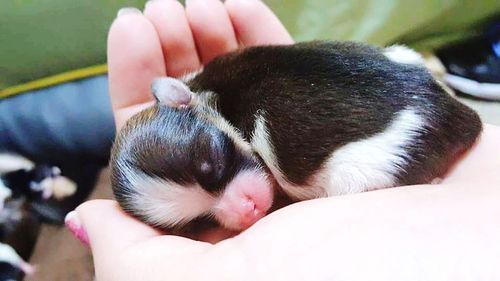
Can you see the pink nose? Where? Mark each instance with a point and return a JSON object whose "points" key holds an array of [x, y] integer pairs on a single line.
{"points": [[249, 213], [245, 200]]}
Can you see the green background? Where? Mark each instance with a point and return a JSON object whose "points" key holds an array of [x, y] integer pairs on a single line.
{"points": [[42, 38]]}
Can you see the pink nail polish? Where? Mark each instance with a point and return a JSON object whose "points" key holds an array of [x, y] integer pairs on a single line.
{"points": [[74, 225]]}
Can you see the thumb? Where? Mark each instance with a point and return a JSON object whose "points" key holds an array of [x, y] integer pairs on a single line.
{"points": [[104, 226], [116, 240]]}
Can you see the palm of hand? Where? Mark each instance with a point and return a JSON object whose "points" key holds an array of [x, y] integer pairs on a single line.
{"points": [[171, 40]]}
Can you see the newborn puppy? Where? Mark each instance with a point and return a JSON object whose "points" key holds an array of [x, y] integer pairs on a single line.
{"points": [[34, 183], [172, 165], [319, 119]]}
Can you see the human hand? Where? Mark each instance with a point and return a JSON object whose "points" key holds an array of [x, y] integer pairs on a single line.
{"points": [[430, 232], [170, 40], [422, 232]]}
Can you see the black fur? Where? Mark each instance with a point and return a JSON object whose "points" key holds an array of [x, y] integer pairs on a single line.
{"points": [[178, 145], [20, 181], [9, 272], [315, 97], [318, 96]]}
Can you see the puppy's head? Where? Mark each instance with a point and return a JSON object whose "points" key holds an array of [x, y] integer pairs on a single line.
{"points": [[180, 161]]}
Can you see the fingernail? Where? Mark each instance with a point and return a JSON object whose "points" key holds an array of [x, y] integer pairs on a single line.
{"points": [[207, 3], [74, 225], [128, 11], [245, 1], [189, 2], [149, 2]]}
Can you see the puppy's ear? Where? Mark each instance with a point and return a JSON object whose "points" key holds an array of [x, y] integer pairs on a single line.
{"points": [[171, 92]]}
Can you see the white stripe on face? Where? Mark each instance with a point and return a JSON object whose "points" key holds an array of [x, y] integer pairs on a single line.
{"points": [[213, 117], [165, 203]]}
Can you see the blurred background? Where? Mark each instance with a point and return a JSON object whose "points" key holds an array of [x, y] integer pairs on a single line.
{"points": [[55, 112]]}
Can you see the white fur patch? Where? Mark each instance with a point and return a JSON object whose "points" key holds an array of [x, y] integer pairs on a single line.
{"points": [[405, 55], [166, 203], [11, 162], [204, 102], [371, 163], [437, 181], [9, 255], [45, 186], [189, 76], [222, 124], [364, 165], [262, 145], [63, 187]]}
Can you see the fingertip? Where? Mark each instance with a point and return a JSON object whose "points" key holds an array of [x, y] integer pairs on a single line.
{"points": [[211, 27], [134, 59], [255, 23], [171, 24], [127, 11], [74, 225], [108, 227]]}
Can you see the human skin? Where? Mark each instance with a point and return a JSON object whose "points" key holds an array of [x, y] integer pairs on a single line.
{"points": [[447, 231]]}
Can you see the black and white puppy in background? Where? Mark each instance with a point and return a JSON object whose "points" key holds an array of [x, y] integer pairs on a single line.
{"points": [[12, 266], [21, 183], [20, 177], [316, 119]]}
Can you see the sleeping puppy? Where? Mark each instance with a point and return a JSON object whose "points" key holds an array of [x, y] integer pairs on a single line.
{"points": [[312, 119]]}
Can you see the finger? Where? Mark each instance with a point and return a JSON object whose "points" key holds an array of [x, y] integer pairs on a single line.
{"points": [[108, 228], [111, 234], [134, 59], [170, 22], [255, 24], [211, 27]]}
